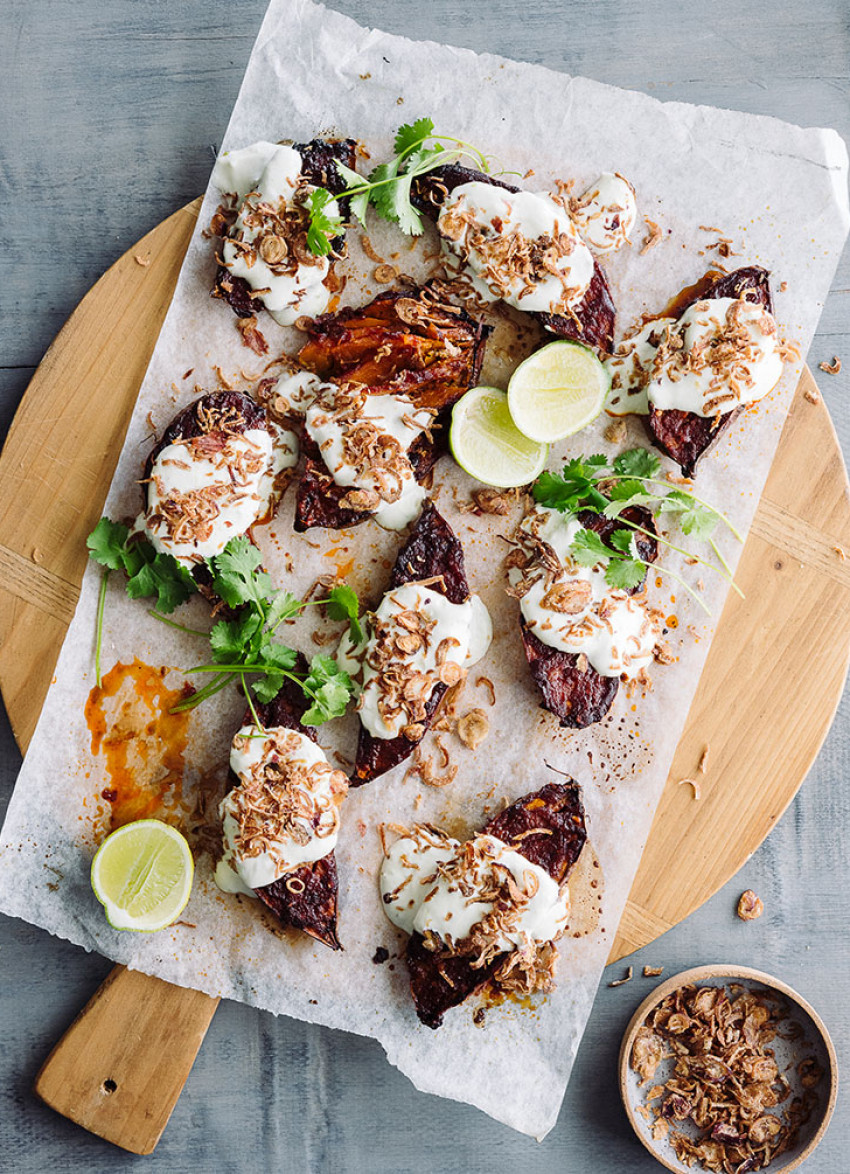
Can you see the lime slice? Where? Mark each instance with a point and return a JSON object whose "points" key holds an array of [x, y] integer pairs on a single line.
{"points": [[557, 391], [142, 875], [486, 443]]}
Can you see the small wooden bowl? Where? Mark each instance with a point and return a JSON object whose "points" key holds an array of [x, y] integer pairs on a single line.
{"points": [[815, 1034]]}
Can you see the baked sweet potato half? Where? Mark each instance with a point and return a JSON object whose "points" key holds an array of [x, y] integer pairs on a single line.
{"points": [[305, 898], [319, 159], [406, 342], [580, 697], [592, 320], [441, 979], [686, 436], [432, 551]]}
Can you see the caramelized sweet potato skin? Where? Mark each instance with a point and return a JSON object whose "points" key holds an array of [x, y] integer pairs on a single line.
{"points": [[686, 436], [432, 549], [402, 342], [582, 698], [440, 980], [319, 158], [592, 321], [313, 910]]}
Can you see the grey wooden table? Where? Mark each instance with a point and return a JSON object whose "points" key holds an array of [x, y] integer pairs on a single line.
{"points": [[110, 112]]}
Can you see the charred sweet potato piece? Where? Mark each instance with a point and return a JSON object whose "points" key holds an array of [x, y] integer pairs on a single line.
{"points": [[580, 698], [431, 550], [311, 903], [319, 159], [591, 321], [405, 342], [215, 414], [439, 979], [686, 436]]}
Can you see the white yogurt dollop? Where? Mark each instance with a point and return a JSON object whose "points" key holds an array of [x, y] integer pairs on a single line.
{"points": [[496, 238], [419, 896], [721, 354], [577, 611], [267, 175], [605, 214], [339, 420], [199, 497], [453, 636], [309, 796]]}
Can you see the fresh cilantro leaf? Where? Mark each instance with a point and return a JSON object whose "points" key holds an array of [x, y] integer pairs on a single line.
{"points": [[554, 492], [694, 518], [267, 687], [624, 573], [237, 577], [283, 606], [229, 639], [622, 540], [106, 544], [165, 578], [624, 490], [323, 227], [278, 655], [359, 184], [587, 548], [409, 135], [330, 688], [637, 462], [342, 604]]}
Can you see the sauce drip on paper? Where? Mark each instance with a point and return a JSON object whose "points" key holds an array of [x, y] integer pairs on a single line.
{"points": [[142, 743]]}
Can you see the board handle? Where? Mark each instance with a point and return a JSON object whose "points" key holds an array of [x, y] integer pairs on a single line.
{"points": [[120, 1067]]}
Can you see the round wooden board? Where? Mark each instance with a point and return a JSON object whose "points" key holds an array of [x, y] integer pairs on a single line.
{"points": [[59, 458]]}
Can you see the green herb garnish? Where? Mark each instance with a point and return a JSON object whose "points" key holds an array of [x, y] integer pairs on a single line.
{"points": [[387, 188], [610, 488], [323, 228], [244, 647]]}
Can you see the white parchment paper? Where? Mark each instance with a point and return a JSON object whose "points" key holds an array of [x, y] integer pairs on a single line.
{"points": [[780, 193]]}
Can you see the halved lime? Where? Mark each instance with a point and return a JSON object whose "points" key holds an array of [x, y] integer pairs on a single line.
{"points": [[486, 443], [142, 875], [557, 391]]}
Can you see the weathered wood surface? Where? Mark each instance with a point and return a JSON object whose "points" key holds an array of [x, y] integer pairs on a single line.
{"points": [[108, 115]]}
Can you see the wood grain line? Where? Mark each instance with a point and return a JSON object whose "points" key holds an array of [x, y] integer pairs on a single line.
{"points": [[37, 585], [802, 541]]}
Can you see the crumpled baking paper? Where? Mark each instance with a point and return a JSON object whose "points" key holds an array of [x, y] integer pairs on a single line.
{"points": [[780, 193]]}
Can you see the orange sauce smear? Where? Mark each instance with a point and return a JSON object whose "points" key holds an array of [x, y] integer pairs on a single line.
{"points": [[142, 743]]}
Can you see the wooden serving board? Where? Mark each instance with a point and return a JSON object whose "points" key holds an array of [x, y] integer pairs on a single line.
{"points": [[55, 470]]}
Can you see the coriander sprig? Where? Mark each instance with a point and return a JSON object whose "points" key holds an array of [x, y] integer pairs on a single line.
{"points": [[242, 647], [323, 227], [612, 487], [418, 150]]}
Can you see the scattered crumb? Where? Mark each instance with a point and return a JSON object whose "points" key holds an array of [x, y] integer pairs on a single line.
{"points": [[364, 77], [479, 1016], [385, 274], [36, 555], [369, 249], [750, 906], [710, 228], [399, 101], [653, 236], [662, 653], [473, 728], [626, 978], [812, 395], [652, 972], [839, 550], [616, 432], [702, 765], [831, 368], [143, 261], [695, 785], [381, 955], [489, 686], [783, 287], [251, 336]]}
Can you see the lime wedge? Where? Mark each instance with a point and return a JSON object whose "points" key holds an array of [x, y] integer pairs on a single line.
{"points": [[142, 875], [557, 391], [486, 444]]}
